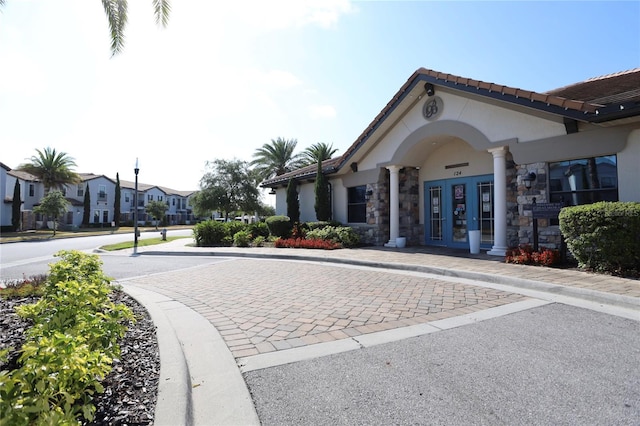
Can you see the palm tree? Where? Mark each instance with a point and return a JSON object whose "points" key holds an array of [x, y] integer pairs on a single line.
{"points": [[276, 158], [116, 11], [54, 169], [318, 152]]}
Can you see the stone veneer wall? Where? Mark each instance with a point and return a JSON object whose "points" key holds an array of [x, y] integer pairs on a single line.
{"points": [[548, 235], [376, 231], [409, 210], [513, 218]]}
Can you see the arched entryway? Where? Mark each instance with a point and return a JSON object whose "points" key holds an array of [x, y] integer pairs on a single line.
{"points": [[463, 185]]}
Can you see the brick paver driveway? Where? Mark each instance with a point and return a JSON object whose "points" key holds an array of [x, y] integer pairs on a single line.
{"points": [[262, 306]]}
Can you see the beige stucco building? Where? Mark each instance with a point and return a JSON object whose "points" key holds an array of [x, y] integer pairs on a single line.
{"points": [[450, 155]]}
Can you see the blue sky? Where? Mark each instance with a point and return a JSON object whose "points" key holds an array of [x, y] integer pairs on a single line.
{"points": [[226, 77]]}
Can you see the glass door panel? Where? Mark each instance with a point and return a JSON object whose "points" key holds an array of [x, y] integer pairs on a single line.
{"points": [[485, 207], [459, 208], [453, 207], [436, 214]]}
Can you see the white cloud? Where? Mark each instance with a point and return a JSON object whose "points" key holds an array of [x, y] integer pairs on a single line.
{"points": [[322, 111]]}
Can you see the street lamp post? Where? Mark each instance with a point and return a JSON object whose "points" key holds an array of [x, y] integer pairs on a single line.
{"points": [[135, 211]]}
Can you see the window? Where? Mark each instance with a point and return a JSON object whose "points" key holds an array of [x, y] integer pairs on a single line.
{"points": [[96, 216], [357, 204], [80, 191], [173, 201], [159, 197], [102, 193], [149, 197], [584, 181], [105, 216], [126, 197], [32, 190]]}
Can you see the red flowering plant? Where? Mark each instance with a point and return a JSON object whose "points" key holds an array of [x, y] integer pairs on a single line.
{"points": [[525, 255], [304, 243]]}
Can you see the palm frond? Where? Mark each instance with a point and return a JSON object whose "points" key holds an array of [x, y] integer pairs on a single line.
{"points": [[161, 9], [116, 11]]}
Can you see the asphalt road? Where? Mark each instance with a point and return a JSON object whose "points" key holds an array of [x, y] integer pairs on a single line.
{"points": [[553, 365], [32, 258]]}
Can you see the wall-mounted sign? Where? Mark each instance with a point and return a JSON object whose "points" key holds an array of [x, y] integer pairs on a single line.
{"points": [[432, 107]]}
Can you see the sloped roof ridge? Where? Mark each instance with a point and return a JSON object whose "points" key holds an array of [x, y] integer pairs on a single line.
{"points": [[614, 74], [594, 79], [544, 97]]}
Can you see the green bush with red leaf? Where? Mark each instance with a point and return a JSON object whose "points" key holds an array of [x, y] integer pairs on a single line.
{"points": [[312, 243], [525, 255]]}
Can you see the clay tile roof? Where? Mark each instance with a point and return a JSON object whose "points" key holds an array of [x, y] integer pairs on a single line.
{"points": [[23, 175], [623, 86], [309, 171], [89, 176]]}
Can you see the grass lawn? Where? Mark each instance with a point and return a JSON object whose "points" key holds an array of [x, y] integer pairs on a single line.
{"points": [[47, 234], [141, 243]]}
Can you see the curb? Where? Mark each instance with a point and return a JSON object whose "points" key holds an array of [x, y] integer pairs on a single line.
{"points": [[200, 382]]}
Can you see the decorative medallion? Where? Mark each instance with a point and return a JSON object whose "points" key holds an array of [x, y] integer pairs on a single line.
{"points": [[432, 108]]}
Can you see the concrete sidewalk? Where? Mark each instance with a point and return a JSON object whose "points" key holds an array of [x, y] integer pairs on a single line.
{"points": [[203, 345]]}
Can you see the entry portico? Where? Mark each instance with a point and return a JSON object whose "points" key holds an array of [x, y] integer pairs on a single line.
{"points": [[450, 155]]}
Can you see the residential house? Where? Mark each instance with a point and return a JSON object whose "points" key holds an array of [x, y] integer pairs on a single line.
{"points": [[31, 192], [101, 196], [6, 195], [449, 157], [179, 210], [102, 200]]}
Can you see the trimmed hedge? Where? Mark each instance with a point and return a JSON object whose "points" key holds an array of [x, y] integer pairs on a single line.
{"points": [[279, 226], [604, 236]]}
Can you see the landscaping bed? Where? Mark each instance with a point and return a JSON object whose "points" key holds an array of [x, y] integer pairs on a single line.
{"points": [[130, 389]]}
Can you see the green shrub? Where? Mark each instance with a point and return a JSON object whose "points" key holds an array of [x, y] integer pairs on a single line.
{"points": [[68, 350], [321, 224], [209, 233], [604, 236], [342, 235], [258, 241], [258, 229], [241, 239], [279, 226], [233, 227]]}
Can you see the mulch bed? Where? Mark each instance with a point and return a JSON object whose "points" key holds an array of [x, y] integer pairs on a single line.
{"points": [[131, 388]]}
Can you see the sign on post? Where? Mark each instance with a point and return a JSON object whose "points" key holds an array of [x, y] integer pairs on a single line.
{"points": [[546, 210]]}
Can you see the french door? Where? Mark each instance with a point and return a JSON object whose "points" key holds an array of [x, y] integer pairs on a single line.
{"points": [[453, 207]]}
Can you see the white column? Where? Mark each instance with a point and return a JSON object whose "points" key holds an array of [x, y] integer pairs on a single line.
{"points": [[394, 209], [500, 201]]}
